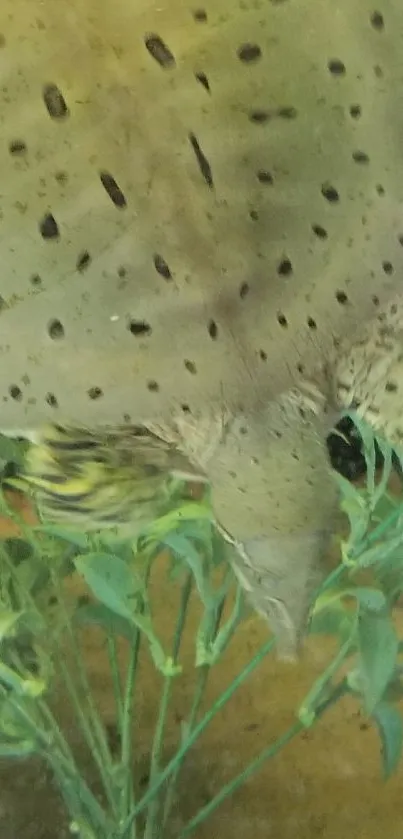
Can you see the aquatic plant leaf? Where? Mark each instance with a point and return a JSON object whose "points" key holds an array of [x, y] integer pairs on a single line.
{"points": [[112, 581], [389, 722], [97, 614], [378, 649]]}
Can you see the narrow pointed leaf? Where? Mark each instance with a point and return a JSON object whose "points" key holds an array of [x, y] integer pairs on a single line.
{"points": [[390, 727], [378, 649]]}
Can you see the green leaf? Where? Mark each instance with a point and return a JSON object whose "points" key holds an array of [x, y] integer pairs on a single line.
{"points": [[355, 504], [97, 614], [23, 687], [212, 652], [332, 620], [8, 621], [378, 649], [77, 538], [111, 580], [390, 727], [380, 552], [115, 584], [187, 552], [11, 450], [17, 748], [368, 440], [369, 598], [322, 687]]}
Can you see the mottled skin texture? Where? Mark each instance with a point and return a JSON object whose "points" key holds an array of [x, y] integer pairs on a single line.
{"points": [[366, 375]]}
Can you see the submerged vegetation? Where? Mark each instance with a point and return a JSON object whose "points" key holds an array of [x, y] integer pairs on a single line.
{"points": [[42, 625]]}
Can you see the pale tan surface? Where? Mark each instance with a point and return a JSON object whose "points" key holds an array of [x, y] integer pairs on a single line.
{"points": [[131, 118]]}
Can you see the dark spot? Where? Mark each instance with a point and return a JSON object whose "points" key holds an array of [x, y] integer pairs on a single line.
{"points": [[153, 386], [200, 15], [330, 193], [190, 366], [375, 300], [113, 190], [319, 231], [346, 453], [202, 161], [244, 290], [380, 189], [312, 323], [17, 147], [259, 117], [55, 102], [3, 304], [203, 80], [287, 112], [249, 53], [400, 239], [127, 418], [185, 408], [377, 21], [355, 111], [336, 67], [360, 157], [83, 261], [391, 387], [282, 320], [95, 393], [254, 215], [159, 51], [162, 267], [243, 430], [15, 393], [48, 227], [387, 267], [35, 280], [284, 269], [51, 400], [263, 355], [341, 297], [301, 369], [61, 177], [378, 71], [55, 330], [139, 327], [264, 176], [212, 329], [122, 272]]}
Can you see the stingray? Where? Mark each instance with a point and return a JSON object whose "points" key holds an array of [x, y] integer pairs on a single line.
{"points": [[197, 204]]}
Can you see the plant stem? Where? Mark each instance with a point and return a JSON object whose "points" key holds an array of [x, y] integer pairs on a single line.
{"points": [[61, 761], [127, 800], [218, 704], [240, 779], [173, 780], [126, 733], [203, 675], [153, 809], [91, 724], [116, 680], [69, 762]]}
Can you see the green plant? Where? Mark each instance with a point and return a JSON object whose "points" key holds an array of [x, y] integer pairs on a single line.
{"points": [[38, 619]]}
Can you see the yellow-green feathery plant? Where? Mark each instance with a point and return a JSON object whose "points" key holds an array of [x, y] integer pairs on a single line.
{"points": [[357, 610]]}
